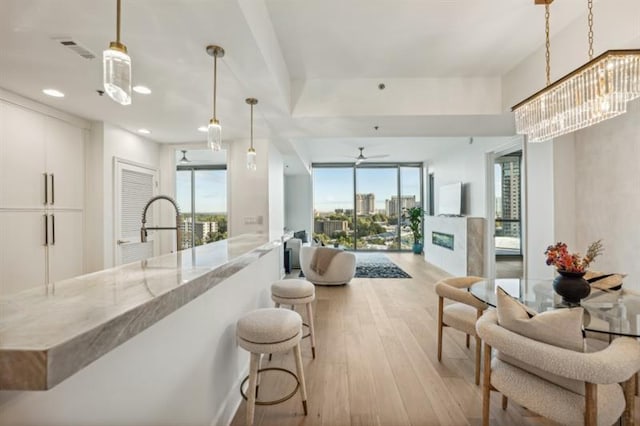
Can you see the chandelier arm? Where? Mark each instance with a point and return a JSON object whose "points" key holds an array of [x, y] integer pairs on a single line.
{"points": [[547, 15], [590, 21]]}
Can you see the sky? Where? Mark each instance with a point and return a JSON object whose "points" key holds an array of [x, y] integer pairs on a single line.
{"points": [[333, 187], [211, 191]]}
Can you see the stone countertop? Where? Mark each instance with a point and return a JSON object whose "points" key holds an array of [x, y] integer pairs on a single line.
{"points": [[46, 335]]}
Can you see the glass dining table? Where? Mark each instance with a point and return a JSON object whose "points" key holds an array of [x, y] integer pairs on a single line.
{"points": [[613, 312]]}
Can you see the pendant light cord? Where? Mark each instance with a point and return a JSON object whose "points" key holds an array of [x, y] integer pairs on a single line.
{"points": [[590, 21], [548, 42], [215, 83], [118, 22], [251, 126]]}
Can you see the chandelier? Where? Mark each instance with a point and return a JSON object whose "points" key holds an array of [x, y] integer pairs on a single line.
{"points": [[594, 92]]}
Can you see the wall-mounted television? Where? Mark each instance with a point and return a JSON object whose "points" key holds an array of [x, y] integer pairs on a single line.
{"points": [[450, 199]]}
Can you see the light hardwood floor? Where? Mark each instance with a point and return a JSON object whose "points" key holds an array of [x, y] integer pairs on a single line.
{"points": [[376, 361]]}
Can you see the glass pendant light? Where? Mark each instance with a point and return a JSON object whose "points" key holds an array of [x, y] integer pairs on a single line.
{"points": [[116, 68], [251, 153], [214, 130]]}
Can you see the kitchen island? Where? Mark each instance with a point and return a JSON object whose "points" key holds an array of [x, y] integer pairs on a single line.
{"points": [[151, 342]]}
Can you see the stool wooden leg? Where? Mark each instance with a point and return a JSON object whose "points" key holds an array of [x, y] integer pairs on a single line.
{"points": [[486, 386], [251, 390], [629, 393], [467, 343], [311, 330], [440, 308], [505, 402], [300, 371], [478, 357], [258, 378], [277, 305]]}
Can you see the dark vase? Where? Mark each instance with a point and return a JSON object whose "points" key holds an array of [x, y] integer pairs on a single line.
{"points": [[571, 286]]}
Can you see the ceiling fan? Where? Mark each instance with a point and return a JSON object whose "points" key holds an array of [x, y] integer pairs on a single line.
{"points": [[361, 157]]}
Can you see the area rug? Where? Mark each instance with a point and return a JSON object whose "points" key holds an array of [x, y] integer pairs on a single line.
{"points": [[376, 265]]}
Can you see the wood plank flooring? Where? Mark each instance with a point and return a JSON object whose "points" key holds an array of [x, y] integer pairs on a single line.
{"points": [[376, 361]]}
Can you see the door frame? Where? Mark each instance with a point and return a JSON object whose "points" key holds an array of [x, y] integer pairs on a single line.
{"points": [[517, 143]]}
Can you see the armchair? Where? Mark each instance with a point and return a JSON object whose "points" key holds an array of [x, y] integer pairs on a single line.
{"points": [[341, 269], [567, 386]]}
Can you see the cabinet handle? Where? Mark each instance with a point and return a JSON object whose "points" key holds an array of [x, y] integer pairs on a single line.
{"points": [[53, 230], [46, 230], [53, 190], [46, 189]]}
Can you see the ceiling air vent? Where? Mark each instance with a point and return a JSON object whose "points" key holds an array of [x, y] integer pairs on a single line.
{"points": [[75, 47]]}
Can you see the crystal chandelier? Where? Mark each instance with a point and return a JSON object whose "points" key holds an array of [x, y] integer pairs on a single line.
{"points": [[251, 153], [214, 130], [116, 68], [596, 91]]}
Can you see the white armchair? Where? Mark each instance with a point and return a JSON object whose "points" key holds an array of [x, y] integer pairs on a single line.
{"points": [[569, 387], [341, 269]]}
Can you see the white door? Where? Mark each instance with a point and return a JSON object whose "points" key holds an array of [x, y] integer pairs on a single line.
{"points": [[65, 244], [22, 251], [65, 164], [134, 186], [22, 159]]}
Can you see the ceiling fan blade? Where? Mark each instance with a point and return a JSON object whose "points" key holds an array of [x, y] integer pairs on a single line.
{"points": [[359, 160], [378, 156]]}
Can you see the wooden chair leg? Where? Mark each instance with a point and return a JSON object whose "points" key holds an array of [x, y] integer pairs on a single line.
{"points": [[629, 395], [478, 359], [300, 372], [591, 404], [637, 391], [505, 402], [440, 308], [311, 329], [251, 390], [486, 386], [467, 342]]}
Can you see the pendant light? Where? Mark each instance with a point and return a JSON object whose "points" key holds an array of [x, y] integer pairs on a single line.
{"points": [[214, 130], [594, 92], [251, 153], [116, 68]]}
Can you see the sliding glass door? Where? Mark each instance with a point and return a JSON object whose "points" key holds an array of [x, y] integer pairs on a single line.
{"points": [[360, 207]]}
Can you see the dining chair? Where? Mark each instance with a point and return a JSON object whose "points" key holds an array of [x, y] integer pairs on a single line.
{"points": [[564, 385], [460, 315]]}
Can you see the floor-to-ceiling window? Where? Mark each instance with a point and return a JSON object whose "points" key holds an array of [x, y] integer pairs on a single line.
{"points": [[202, 196], [360, 207], [507, 195]]}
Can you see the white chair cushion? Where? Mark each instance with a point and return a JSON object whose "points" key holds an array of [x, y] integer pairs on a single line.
{"points": [[461, 317], [269, 326], [554, 402], [561, 327], [292, 289]]}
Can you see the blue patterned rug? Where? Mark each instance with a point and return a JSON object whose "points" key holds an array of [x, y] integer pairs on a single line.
{"points": [[376, 265]]}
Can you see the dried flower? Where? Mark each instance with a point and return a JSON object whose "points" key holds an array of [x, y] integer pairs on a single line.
{"points": [[558, 255]]}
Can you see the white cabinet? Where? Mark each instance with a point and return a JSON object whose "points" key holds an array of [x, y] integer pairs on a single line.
{"points": [[41, 199]]}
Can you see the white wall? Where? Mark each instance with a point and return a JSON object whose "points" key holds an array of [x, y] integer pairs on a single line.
{"points": [[607, 193], [276, 194], [248, 190], [540, 211], [298, 203], [564, 192]]}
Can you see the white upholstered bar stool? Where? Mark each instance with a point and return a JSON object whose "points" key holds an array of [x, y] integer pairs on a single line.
{"points": [[297, 292], [270, 330]]}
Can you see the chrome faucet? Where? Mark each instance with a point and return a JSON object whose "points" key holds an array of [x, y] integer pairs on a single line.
{"points": [[144, 229]]}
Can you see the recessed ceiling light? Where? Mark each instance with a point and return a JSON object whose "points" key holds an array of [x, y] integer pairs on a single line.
{"points": [[144, 131], [203, 129], [143, 90], [53, 92]]}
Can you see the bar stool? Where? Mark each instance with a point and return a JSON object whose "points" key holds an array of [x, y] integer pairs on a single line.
{"points": [[297, 292], [270, 330]]}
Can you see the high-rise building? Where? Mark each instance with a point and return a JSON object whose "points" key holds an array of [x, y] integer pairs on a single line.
{"points": [[365, 204], [330, 227], [406, 202], [510, 202]]}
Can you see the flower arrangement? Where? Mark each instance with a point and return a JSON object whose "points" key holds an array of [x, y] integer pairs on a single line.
{"points": [[558, 255]]}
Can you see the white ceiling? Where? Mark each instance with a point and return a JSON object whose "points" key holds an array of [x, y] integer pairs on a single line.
{"points": [[270, 45]]}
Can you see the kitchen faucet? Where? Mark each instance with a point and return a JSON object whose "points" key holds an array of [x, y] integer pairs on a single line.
{"points": [[144, 229]]}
